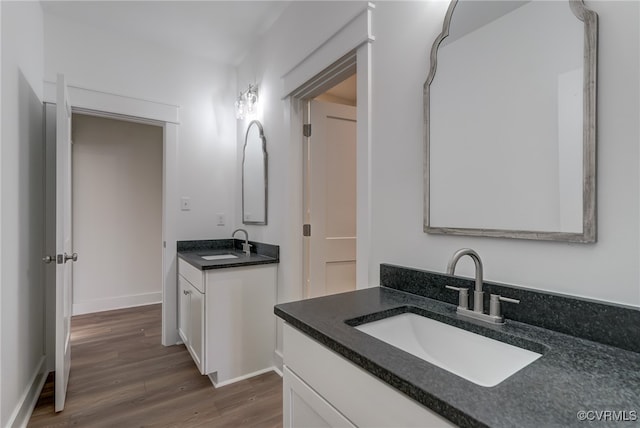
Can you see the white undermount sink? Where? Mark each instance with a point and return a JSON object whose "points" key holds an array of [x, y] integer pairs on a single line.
{"points": [[220, 257], [479, 359]]}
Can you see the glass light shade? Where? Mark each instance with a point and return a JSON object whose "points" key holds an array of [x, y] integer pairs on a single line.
{"points": [[246, 102], [251, 100], [240, 108]]}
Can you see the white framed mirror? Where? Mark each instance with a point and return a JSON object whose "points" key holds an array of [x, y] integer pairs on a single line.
{"points": [[510, 121], [254, 175]]}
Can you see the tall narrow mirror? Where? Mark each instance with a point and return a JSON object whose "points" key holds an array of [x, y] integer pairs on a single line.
{"points": [[510, 121], [254, 175]]}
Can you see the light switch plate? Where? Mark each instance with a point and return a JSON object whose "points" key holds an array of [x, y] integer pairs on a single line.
{"points": [[221, 219], [185, 203]]}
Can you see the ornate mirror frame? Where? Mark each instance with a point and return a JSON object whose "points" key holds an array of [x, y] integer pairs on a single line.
{"points": [[265, 157], [588, 235]]}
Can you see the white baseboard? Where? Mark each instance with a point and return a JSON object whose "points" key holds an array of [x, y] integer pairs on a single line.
{"points": [[239, 378], [120, 302], [278, 371], [22, 413], [278, 359]]}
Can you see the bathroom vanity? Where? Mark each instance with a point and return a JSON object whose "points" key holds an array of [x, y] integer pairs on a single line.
{"points": [[225, 306], [337, 375], [322, 388]]}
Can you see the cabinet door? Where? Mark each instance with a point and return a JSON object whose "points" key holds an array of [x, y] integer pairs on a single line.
{"points": [[183, 309], [303, 407], [348, 388], [240, 325], [196, 326]]}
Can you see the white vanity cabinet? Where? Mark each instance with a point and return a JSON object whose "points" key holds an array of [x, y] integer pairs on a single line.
{"points": [[229, 326], [322, 388]]}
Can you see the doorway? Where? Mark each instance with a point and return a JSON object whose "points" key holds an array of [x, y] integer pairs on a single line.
{"points": [[117, 213], [330, 191], [105, 105]]}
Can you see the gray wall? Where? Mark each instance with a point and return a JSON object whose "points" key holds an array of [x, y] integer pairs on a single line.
{"points": [[22, 230]]}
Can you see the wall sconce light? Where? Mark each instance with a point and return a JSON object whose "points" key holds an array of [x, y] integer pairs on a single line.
{"points": [[246, 102]]}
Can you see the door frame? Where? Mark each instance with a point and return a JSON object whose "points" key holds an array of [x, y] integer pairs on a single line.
{"points": [[332, 61], [108, 105]]}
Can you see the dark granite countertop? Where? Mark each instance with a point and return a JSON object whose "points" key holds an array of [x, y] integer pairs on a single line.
{"points": [[573, 374], [192, 252]]}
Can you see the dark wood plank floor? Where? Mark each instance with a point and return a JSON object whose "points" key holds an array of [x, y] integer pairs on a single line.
{"points": [[122, 376]]}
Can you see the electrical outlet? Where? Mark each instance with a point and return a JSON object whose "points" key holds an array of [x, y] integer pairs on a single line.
{"points": [[185, 203], [221, 219]]}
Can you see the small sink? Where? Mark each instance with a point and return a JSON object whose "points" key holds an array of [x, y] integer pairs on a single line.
{"points": [[220, 257], [479, 359]]}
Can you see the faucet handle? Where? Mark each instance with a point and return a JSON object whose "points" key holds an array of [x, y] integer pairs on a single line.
{"points": [[246, 248], [494, 304], [463, 296]]}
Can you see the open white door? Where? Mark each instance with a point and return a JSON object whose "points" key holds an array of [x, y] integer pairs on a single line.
{"points": [[63, 243], [331, 199]]}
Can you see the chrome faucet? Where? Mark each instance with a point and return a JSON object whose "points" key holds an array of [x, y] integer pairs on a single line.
{"points": [[246, 247], [495, 315], [477, 293]]}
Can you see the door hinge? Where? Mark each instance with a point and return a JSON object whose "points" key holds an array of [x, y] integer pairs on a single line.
{"points": [[306, 230], [306, 130]]}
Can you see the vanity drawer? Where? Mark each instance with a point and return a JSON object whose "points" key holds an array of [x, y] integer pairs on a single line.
{"points": [[191, 274], [363, 399]]}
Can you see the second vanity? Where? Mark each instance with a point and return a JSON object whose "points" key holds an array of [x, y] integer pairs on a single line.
{"points": [[225, 306], [336, 375]]}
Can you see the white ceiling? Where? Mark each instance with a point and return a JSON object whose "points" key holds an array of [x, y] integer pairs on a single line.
{"points": [[220, 30]]}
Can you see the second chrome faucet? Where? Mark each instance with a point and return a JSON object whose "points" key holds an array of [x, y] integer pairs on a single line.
{"points": [[494, 316], [246, 247]]}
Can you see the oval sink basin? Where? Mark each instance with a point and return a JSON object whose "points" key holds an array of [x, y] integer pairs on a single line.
{"points": [[220, 257], [479, 359]]}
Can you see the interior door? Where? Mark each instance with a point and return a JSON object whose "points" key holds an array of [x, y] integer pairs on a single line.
{"points": [[331, 199], [64, 252]]}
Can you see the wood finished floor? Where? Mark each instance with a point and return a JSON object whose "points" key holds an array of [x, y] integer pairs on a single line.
{"points": [[121, 376]]}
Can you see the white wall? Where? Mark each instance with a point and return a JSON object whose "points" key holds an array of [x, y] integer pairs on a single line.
{"points": [[1, 102], [22, 293], [210, 146], [117, 213], [301, 28], [206, 136], [404, 32], [607, 270], [204, 90]]}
